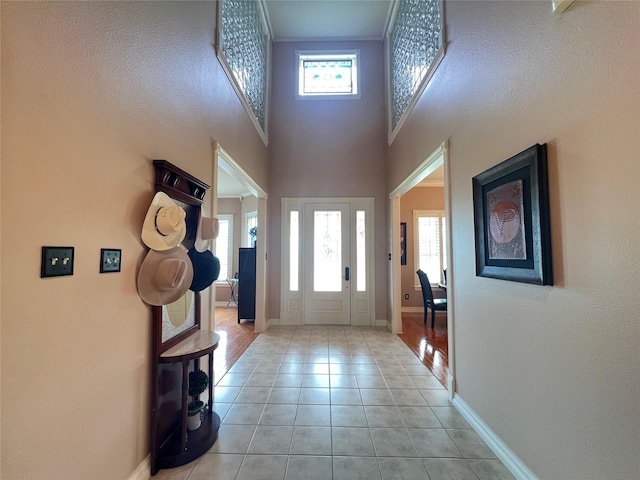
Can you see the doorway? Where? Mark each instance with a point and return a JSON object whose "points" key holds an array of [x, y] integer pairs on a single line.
{"points": [[327, 261], [225, 167], [437, 159]]}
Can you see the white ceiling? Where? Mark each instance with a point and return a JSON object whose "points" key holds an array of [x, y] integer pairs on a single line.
{"points": [[229, 187], [327, 19]]}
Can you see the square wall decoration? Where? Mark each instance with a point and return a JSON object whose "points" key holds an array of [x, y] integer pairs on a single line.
{"points": [[511, 218]]}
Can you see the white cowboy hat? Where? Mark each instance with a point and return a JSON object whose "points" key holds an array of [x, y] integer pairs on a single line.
{"points": [[207, 230], [164, 276], [164, 226]]}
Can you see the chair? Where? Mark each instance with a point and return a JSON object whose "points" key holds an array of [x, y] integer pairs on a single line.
{"points": [[439, 304]]}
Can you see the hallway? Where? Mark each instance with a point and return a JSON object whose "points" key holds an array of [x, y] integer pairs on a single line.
{"points": [[329, 402]]}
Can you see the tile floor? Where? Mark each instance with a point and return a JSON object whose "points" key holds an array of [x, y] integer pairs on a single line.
{"points": [[337, 403]]}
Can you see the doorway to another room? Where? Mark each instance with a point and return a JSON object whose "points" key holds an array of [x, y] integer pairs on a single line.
{"points": [[421, 204]]}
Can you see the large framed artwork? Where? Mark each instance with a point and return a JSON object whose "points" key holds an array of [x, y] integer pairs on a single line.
{"points": [[511, 217]]}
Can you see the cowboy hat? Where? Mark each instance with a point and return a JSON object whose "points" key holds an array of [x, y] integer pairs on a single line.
{"points": [[164, 225], [206, 269], [207, 230], [164, 276]]}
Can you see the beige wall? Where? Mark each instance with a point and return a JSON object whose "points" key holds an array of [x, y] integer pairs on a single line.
{"points": [[92, 92], [553, 371], [327, 148], [419, 198]]}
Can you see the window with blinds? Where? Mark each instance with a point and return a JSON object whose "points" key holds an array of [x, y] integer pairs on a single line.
{"points": [[224, 243], [430, 244]]}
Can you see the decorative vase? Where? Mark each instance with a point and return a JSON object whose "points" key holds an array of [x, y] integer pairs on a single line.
{"points": [[194, 421], [194, 417]]}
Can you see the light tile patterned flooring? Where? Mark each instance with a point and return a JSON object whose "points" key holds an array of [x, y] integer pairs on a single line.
{"points": [[337, 403]]}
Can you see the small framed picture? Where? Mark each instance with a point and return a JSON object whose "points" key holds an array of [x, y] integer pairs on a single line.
{"points": [[511, 217], [403, 243]]}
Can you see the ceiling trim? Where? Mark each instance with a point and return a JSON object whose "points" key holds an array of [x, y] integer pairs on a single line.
{"points": [[327, 39]]}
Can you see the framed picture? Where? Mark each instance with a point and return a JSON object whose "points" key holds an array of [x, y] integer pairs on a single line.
{"points": [[511, 217], [403, 243]]}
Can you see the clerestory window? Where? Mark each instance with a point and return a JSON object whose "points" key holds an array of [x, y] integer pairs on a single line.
{"points": [[328, 75]]}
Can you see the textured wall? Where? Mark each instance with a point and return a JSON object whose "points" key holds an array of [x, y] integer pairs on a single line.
{"points": [[327, 148], [554, 371], [92, 92]]}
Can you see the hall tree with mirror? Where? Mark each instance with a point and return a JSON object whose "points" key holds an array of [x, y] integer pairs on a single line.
{"points": [[179, 345]]}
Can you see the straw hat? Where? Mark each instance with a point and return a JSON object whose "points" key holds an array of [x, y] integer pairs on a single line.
{"points": [[164, 276], [206, 269], [207, 230], [164, 225]]}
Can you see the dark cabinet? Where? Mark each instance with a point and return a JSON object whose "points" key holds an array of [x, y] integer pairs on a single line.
{"points": [[246, 288]]}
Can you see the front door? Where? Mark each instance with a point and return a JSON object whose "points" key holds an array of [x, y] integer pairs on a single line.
{"points": [[327, 257]]}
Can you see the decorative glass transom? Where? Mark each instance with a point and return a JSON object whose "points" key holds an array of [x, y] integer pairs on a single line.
{"points": [[414, 41], [244, 41], [327, 74]]}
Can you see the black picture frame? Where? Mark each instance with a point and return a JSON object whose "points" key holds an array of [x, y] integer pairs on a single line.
{"points": [[403, 243], [511, 219]]}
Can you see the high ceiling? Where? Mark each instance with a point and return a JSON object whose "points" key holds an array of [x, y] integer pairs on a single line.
{"points": [[328, 19], [299, 20]]}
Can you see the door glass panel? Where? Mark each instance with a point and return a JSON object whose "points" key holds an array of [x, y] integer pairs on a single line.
{"points": [[361, 265], [327, 251], [294, 254]]}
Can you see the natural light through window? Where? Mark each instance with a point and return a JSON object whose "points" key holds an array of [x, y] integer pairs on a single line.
{"points": [[430, 242], [361, 264], [224, 241], [327, 251], [251, 220], [294, 251], [328, 74]]}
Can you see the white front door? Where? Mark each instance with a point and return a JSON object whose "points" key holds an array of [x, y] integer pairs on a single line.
{"points": [[327, 257], [327, 261]]}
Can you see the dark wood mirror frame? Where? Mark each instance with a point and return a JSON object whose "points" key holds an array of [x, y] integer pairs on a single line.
{"points": [[172, 358]]}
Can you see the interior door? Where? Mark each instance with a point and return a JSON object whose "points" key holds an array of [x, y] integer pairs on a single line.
{"points": [[327, 263]]}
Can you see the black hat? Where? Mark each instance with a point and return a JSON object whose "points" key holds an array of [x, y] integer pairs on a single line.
{"points": [[206, 269]]}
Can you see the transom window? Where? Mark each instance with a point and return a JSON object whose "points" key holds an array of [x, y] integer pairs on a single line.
{"points": [[328, 74]]}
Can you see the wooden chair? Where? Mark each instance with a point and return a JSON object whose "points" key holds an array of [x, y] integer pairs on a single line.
{"points": [[439, 304]]}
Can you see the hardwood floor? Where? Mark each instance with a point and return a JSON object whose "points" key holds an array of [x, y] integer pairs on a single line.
{"points": [[430, 345], [234, 339]]}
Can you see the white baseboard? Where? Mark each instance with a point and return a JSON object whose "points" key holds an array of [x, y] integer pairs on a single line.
{"points": [[382, 323], [451, 385], [412, 310], [143, 471], [510, 460]]}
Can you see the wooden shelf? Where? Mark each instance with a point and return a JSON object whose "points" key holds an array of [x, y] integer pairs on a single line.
{"points": [[200, 343], [198, 442]]}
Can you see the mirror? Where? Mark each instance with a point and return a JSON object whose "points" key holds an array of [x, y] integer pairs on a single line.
{"points": [[178, 316]]}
